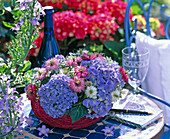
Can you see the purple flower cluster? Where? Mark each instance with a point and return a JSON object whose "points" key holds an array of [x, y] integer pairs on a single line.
{"points": [[56, 96], [105, 77], [99, 106], [26, 7], [10, 106]]}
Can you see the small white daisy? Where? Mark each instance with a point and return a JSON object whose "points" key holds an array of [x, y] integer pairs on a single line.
{"points": [[109, 60], [91, 92], [82, 51], [115, 94]]}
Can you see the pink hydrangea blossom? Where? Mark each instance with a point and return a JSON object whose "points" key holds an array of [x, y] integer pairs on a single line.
{"points": [[114, 8], [93, 56], [77, 84], [52, 64]]}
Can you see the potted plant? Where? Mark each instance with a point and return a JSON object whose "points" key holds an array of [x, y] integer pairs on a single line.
{"points": [[75, 91]]}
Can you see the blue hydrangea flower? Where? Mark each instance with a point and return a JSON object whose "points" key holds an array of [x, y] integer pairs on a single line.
{"points": [[105, 77], [56, 96], [60, 57]]}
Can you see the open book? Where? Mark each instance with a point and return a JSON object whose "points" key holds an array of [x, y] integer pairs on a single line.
{"points": [[134, 119]]}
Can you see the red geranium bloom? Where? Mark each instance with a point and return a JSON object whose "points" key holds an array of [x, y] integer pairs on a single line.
{"points": [[125, 76], [101, 26], [116, 8], [69, 24], [31, 92], [84, 5]]}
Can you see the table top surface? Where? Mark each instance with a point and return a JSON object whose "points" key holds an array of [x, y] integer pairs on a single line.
{"points": [[121, 131]]}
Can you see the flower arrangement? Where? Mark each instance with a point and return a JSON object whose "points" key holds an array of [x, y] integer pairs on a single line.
{"points": [[82, 84]]}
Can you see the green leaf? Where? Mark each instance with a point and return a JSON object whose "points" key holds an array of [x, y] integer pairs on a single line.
{"points": [[16, 14], [77, 112], [115, 47], [136, 10], [3, 68], [19, 85], [24, 67], [44, 81], [8, 25]]}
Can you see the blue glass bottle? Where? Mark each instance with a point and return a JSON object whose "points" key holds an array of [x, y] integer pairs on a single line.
{"points": [[49, 46]]}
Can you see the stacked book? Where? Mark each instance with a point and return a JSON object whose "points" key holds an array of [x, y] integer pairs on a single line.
{"points": [[135, 110]]}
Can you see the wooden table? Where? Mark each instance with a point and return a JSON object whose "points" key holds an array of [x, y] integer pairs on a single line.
{"points": [[121, 131]]}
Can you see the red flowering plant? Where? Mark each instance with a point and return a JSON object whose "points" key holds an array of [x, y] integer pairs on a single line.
{"points": [[31, 92], [82, 23], [94, 23], [82, 84], [116, 9]]}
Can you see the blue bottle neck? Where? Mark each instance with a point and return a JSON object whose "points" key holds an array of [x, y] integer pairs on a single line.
{"points": [[48, 23]]}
